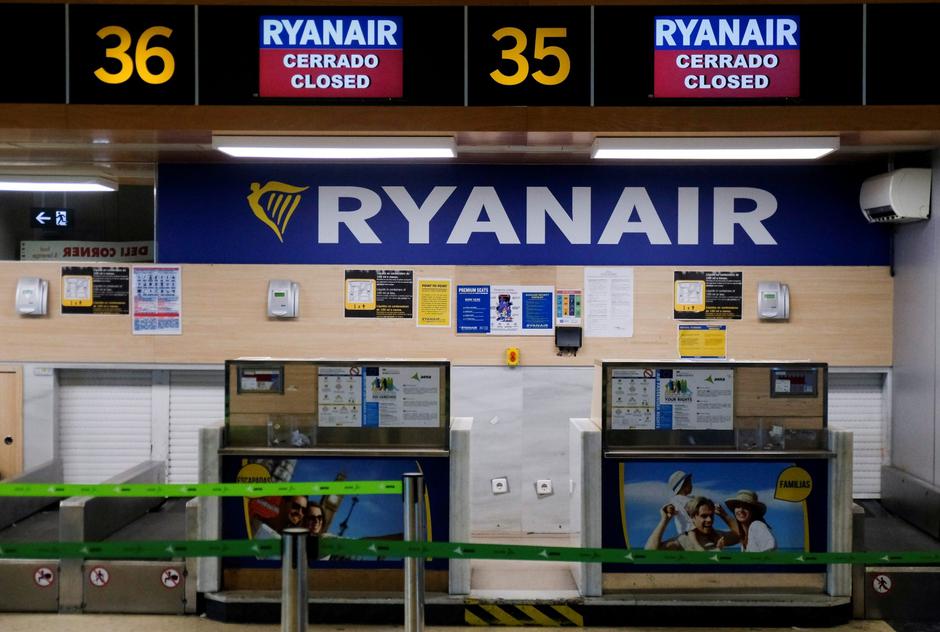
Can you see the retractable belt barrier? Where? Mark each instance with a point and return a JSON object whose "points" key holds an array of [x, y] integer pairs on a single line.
{"points": [[358, 549], [339, 548], [147, 490]]}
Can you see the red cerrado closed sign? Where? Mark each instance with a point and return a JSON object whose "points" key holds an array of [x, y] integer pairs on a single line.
{"points": [[722, 57], [331, 57]]}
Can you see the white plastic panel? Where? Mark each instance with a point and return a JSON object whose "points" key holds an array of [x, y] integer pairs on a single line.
{"points": [[104, 422], [197, 399], [857, 402]]}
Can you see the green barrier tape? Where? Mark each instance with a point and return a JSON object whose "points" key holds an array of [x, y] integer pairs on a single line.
{"points": [[143, 490], [341, 547], [141, 550]]}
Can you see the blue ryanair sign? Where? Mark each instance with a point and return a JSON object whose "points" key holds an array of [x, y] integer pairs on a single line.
{"points": [[514, 215]]}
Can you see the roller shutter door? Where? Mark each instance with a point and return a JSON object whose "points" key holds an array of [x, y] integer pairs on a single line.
{"points": [[104, 422], [857, 402], [197, 399]]}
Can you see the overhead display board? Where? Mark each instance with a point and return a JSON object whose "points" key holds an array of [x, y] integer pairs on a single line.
{"points": [[737, 57], [655, 55], [324, 55], [521, 56], [34, 67], [332, 56], [793, 54], [900, 38], [132, 54]]}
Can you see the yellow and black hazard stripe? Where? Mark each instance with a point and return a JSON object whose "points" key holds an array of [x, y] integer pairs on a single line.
{"points": [[519, 614]]}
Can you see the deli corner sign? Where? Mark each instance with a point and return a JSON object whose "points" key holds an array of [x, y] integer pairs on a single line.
{"points": [[710, 57]]}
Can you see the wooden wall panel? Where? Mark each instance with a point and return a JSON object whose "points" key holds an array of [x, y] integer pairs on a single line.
{"points": [[840, 315], [752, 397]]}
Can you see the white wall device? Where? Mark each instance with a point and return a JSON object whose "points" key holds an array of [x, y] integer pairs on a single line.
{"points": [[283, 298], [32, 296], [897, 196], [773, 300]]}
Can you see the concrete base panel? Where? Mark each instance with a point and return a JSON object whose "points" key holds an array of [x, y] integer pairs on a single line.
{"points": [[29, 585], [134, 587]]}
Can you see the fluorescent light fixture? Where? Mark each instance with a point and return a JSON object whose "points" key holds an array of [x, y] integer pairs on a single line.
{"points": [[336, 147], [702, 148], [67, 184]]}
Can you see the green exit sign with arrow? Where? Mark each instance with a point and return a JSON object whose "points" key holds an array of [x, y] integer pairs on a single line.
{"points": [[51, 218]]}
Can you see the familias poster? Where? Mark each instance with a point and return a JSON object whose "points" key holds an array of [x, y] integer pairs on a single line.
{"points": [[701, 505]]}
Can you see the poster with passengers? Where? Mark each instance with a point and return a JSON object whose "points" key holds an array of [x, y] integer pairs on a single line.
{"points": [[359, 516], [703, 505]]}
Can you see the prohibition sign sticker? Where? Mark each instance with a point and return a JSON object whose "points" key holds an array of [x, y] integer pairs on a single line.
{"points": [[99, 576], [44, 577], [170, 578], [882, 584]]}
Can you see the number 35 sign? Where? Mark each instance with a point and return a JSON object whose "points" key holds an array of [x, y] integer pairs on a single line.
{"points": [[525, 57], [127, 54]]}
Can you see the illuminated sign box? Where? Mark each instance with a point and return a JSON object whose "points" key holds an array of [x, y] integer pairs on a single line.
{"points": [[330, 57], [719, 57]]}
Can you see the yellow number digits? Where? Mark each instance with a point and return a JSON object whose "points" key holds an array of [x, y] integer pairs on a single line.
{"points": [[141, 54], [118, 52], [541, 51], [559, 53], [514, 54]]}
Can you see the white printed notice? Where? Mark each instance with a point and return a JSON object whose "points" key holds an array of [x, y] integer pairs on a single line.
{"points": [[695, 399], [157, 300], [671, 399], [339, 396], [402, 397], [608, 302], [633, 399]]}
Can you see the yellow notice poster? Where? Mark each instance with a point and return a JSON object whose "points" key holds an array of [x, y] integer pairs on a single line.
{"points": [[703, 341], [434, 302]]}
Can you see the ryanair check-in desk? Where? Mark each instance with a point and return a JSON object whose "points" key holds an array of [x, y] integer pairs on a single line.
{"points": [[319, 420], [720, 455]]}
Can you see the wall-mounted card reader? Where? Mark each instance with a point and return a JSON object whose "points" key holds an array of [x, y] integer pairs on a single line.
{"points": [[773, 300], [31, 296], [283, 298]]}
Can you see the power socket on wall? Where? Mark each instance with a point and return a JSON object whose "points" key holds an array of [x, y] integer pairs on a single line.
{"points": [[500, 485], [543, 487]]}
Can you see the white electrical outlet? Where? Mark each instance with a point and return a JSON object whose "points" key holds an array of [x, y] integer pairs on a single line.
{"points": [[500, 485], [543, 487]]}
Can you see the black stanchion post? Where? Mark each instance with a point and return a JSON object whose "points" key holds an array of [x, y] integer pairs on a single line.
{"points": [[413, 510], [294, 602]]}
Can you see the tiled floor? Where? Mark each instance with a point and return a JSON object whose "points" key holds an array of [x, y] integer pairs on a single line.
{"points": [[160, 623]]}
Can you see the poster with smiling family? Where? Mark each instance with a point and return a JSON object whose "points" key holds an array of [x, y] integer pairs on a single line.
{"points": [[702, 505]]}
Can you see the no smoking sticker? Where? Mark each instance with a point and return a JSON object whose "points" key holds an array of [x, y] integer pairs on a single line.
{"points": [[170, 578], [99, 576], [881, 584], [44, 577]]}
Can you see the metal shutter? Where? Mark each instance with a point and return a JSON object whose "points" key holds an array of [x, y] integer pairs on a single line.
{"points": [[197, 399], [104, 422], [857, 403]]}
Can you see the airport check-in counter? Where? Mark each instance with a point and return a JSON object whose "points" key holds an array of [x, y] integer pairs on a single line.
{"points": [[340, 420], [707, 456], [73, 585]]}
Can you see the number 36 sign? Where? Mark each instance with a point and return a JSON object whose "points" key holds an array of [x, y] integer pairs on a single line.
{"points": [[126, 54]]}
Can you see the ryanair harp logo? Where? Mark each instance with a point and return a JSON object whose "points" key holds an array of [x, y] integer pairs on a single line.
{"points": [[274, 204]]}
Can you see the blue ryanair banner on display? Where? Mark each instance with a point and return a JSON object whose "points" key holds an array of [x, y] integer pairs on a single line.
{"points": [[514, 215]]}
